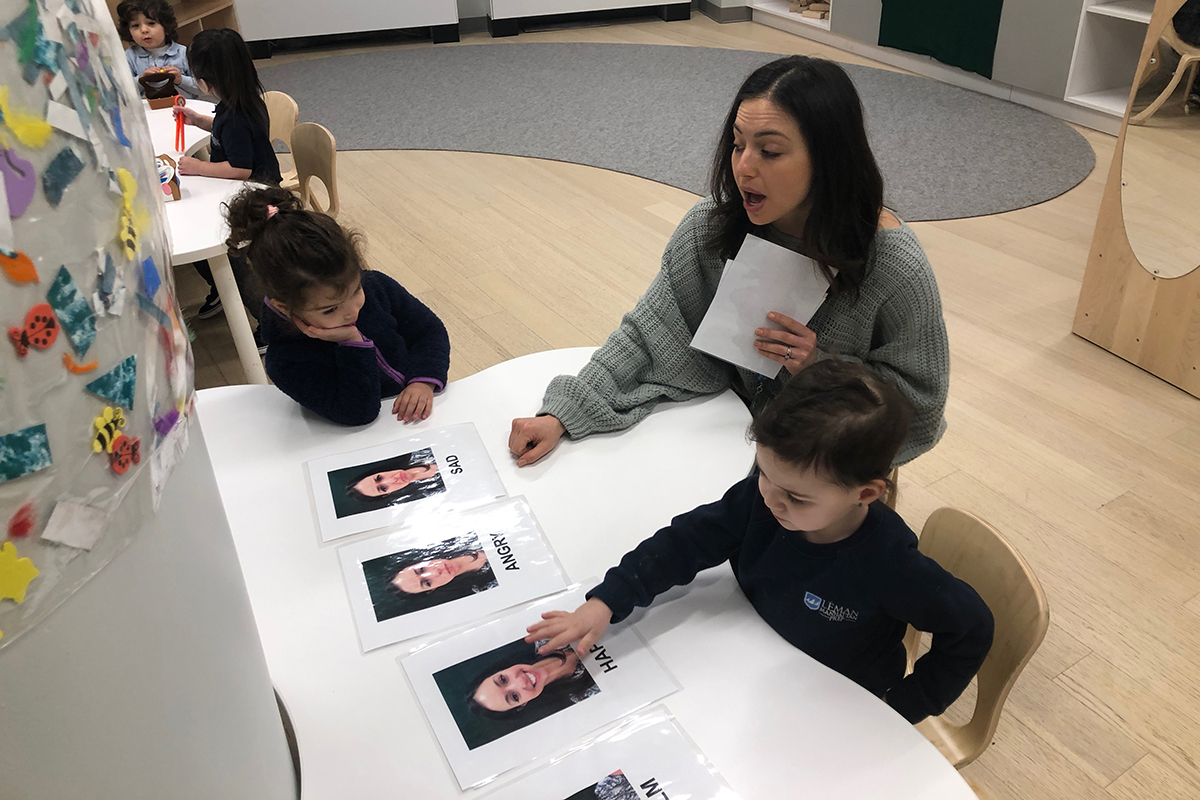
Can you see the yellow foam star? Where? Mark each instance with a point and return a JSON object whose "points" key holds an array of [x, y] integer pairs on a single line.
{"points": [[15, 573]]}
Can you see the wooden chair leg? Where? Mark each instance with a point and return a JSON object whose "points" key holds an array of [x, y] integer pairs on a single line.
{"points": [[1162, 98]]}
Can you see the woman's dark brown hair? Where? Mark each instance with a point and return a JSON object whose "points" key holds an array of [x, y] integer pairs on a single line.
{"points": [[839, 419], [295, 250], [159, 11], [220, 58], [846, 193]]}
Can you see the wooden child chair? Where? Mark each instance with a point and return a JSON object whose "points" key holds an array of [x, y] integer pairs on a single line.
{"points": [[1189, 62], [975, 552], [284, 114], [315, 152]]}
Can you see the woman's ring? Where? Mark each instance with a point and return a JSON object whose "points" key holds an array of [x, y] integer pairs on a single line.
{"points": [[788, 357]]}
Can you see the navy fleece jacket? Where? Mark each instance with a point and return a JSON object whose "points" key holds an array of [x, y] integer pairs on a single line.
{"points": [[345, 382]]}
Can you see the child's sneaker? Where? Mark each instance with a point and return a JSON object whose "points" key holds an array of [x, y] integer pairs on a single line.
{"points": [[211, 306]]}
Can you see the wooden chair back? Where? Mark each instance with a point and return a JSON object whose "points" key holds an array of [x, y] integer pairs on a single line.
{"points": [[315, 152], [975, 552], [1189, 62], [284, 115]]}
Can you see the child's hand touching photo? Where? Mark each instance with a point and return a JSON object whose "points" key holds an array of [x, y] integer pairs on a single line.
{"points": [[414, 403], [585, 625]]}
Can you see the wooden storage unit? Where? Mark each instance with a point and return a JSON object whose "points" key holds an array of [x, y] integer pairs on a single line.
{"points": [[779, 9], [196, 15], [1106, 53]]}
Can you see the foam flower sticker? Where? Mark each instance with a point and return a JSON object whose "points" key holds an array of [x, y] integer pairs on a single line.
{"points": [[15, 573]]}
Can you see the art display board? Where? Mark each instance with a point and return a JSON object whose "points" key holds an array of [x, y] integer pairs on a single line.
{"points": [[763, 277], [646, 757], [495, 704], [448, 570], [401, 481]]}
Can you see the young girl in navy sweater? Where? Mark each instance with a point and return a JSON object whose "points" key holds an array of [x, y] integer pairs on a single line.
{"points": [[340, 337], [833, 571]]}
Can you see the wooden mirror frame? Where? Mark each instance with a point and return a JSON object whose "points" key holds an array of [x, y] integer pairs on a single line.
{"points": [[1150, 321]]}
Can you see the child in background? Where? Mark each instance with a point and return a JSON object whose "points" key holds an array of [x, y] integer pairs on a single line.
{"points": [[240, 148], [151, 28], [340, 337], [833, 572]]}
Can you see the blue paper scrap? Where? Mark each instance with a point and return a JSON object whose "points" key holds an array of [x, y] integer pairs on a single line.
{"points": [[23, 452], [68, 71], [150, 274], [74, 313], [65, 168], [118, 384], [150, 308]]}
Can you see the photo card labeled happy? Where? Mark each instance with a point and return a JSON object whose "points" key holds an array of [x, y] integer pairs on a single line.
{"points": [[495, 703], [390, 484], [447, 570], [646, 757]]}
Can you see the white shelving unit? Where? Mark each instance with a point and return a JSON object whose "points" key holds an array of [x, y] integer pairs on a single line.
{"points": [[779, 9], [1107, 48]]}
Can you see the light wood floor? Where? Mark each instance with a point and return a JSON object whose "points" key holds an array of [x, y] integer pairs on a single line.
{"points": [[1089, 465]]}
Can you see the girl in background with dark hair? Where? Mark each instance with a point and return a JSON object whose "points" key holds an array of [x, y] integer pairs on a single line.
{"points": [[793, 167], [341, 337], [150, 28], [240, 148], [832, 571]]}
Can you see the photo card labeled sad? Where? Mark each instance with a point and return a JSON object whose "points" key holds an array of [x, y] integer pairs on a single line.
{"points": [[408, 479], [447, 570]]}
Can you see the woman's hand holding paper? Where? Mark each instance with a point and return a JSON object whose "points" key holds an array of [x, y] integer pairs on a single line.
{"points": [[795, 346], [585, 625]]}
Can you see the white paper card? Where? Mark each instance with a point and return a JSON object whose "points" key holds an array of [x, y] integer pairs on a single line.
{"points": [[764, 277], [65, 119], [645, 758], [447, 571], [75, 525], [7, 236], [58, 86], [537, 703], [390, 484]]}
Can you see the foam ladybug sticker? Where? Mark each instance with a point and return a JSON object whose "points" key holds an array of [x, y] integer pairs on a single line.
{"points": [[125, 451], [40, 331]]}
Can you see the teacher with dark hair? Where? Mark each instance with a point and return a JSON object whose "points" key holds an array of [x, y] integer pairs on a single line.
{"points": [[794, 167]]}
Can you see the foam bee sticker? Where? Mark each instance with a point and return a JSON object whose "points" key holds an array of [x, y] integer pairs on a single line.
{"points": [[40, 330], [108, 427], [125, 451]]}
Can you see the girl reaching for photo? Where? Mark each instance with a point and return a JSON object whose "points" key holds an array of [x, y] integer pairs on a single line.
{"points": [[340, 337]]}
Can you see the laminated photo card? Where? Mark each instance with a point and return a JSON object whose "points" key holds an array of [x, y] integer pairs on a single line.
{"points": [[647, 757], [389, 484], [495, 703], [447, 570]]}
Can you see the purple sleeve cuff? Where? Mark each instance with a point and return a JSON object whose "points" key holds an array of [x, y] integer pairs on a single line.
{"points": [[440, 386], [364, 343]]}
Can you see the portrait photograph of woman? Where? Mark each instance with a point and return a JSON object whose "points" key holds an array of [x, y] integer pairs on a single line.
{"points": [[611, 787], [424, 577], [392, 481], [513, 686]]}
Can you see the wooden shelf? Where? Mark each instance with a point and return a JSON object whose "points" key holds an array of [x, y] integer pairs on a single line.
{"points": [[780, 8], [1135, 10], [1110, 101], [189, 11]]}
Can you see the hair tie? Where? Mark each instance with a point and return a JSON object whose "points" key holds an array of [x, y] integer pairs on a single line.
{"points": [[272, 211]]}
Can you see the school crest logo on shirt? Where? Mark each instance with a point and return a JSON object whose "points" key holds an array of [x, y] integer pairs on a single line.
{"points": [[831, 611], [812, 601]]}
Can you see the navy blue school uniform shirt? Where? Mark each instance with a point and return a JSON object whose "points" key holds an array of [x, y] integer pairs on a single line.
{"points": [[345, 382], [846, 604], [245, 144]]}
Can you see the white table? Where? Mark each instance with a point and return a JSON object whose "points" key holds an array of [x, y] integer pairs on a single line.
{"points": [[775, 722], [197, 228]]}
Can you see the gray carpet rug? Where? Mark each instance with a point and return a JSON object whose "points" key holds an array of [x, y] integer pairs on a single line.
{"points": [[655, 111]]}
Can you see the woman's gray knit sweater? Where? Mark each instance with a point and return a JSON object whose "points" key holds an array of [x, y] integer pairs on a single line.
{"points": [[894, 325]]}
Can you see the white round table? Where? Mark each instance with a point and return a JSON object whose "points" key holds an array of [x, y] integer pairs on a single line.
{"points": [[774, 721], [197, 228]]}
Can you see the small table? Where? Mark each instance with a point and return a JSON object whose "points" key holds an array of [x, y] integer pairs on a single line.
{"points": [[197, 228], [775, 722]]}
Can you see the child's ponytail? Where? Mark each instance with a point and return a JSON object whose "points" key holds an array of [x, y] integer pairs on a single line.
{"points": [[290, 249]]}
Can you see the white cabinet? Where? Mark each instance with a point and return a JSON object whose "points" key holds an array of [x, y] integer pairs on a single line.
{"points": [[283, 19], [1107, 48]]}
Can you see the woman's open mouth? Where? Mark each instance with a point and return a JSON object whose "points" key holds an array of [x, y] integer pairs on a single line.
{"points": [[532, 678], [752, 201]]}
